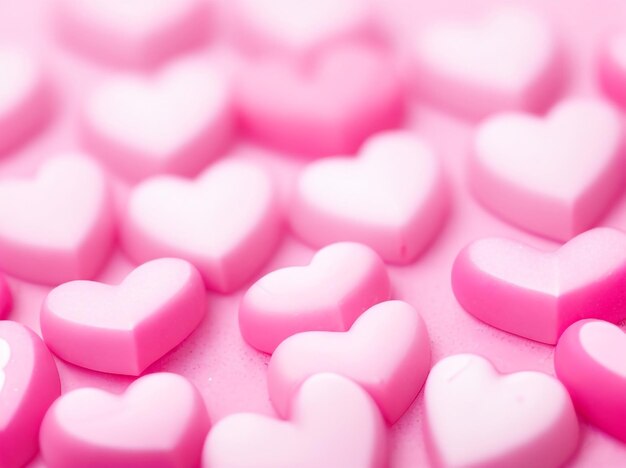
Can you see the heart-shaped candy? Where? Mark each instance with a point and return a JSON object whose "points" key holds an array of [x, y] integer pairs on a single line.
{"points": [[333, 423], [128, 121], [590, 361], [29, 383], [160, 421], [538, 294], [555, 176], [226, 223], [6, 299], [387, 352], [612, 67], [391, 198], [476, 417], [341, 282], [507, 60], [58, 226], [123, 329]]}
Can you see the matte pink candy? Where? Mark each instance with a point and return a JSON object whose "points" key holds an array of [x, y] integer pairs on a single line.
{"points": [[387, 352], [123, 329], [226, 223], [508, 59], [29, 383], [57, 226], [327, 106], [476, 417], [333, 423], [538, 294], [555, 176], [612, 67], [6, 298], [341, 282], [160, 421], [392, 198], [128, 121], [139, 33], [590, 360]]}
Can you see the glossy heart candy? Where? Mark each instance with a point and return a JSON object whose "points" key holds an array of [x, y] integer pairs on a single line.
{"points": [[555, 176], [612, 67], [333, 423], [29, 383], [387, 352], [58, 226], [160, 421], [478, 417], [226, 223], [6, 299], [391, 198], [537, 294], [123, 329]]}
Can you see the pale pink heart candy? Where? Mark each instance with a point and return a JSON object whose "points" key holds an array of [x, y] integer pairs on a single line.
{"points": [[476, 417], [160, 421], [137, 33], [538, 294], [29, 383], [341, 282], [6, 299], [226, 223], [333, 424], [25, 98], [590, 361], [612, 67], [124, 328], [387, 352], [175, 121], [57, 226], [328, 106], [300, 27], [555, 176], [392, 198], [508, 59]]}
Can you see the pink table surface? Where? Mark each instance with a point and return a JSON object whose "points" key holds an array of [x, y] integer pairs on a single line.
{"points": [[230, 374]]}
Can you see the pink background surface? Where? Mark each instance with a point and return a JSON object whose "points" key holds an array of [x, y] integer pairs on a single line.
{"points": [[230, 374]]}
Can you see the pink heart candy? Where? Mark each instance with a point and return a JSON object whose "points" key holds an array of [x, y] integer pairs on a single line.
{"points": [[140, 33], [589, 360], [160, 421], [29, 383], [128, 121], [387, 352], [326, 107], [123, 329], [476, 417], [509, 59], [226, 223], [58, 226], [391, 198], [333, 424], [6, 299], [538, 294], [341, 282], [25, 100], [555, 176], [612, 67]]}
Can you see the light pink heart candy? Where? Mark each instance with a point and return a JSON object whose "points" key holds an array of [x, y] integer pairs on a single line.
{"points": [[590, 361], [387, 352], [25, 98], [160, 421], [476, 417], [341, 282], [57, 226], [612, 67], [124, 328], [508, 59], [538, 294], [328, 106], [175, 121], [333, 424], [226, 223], [140, 33], [555, 176], [29, 383], [392, 198]]}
